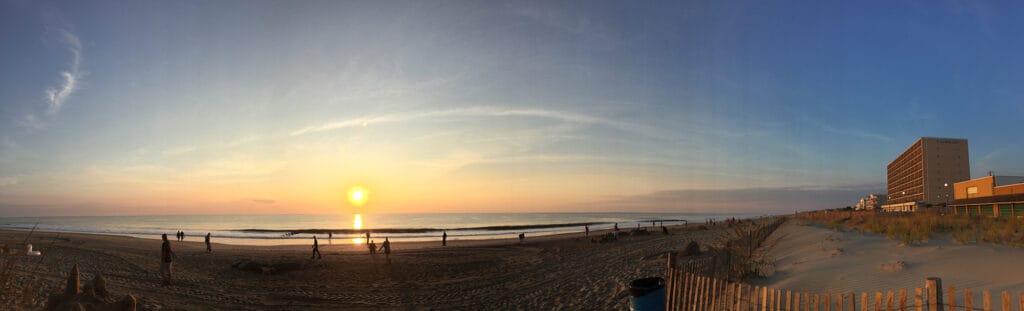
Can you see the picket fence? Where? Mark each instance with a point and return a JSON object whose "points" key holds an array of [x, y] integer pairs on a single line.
{"points": [[692, 286]]}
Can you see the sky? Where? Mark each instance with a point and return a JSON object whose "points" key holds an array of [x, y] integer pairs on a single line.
{"points": [[270, 107]]}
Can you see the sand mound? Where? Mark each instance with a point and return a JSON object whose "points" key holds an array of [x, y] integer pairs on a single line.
{"points": [[94, 296], [894, 266]]}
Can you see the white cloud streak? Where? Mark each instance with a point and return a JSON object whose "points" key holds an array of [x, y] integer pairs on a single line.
{"points": [[471, 112], [57, 96]]}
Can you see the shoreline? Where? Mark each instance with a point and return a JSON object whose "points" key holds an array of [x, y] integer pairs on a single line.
{"points": [[347, 242], [260, 230]]}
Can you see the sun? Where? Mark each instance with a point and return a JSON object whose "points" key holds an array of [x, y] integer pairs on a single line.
{"points": [[358, 196]]}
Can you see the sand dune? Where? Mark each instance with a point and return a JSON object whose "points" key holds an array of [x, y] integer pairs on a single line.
{"points": [[812, 258]]}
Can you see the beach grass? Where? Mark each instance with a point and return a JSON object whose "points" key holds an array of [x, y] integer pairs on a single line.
{"points": [[920, 227]]}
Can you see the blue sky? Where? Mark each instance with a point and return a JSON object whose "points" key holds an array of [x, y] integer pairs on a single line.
{"points": [[278, 107]]}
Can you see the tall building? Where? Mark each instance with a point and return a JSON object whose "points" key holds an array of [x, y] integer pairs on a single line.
{"points": [[924, 174]]}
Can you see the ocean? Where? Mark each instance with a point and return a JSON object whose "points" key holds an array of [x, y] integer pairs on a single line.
{"points": [[299, 229]]}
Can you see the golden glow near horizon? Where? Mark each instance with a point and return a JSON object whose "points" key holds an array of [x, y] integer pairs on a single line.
{"points": [[357, 223], [358, 196]]}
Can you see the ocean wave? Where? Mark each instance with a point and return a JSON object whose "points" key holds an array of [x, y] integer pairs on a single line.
{"points": [[430, 230]]}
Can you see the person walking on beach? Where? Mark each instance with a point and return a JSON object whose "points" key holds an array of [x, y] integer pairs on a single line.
{"points": [[166, 257], [373, 248], [586, 230], [208, 249], [368, 237], [522, 236], [387, 249], [330, 238], [316, 249], [444, 238]]}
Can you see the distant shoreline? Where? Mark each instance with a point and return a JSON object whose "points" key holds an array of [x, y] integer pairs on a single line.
{"points": [[299, 229]]}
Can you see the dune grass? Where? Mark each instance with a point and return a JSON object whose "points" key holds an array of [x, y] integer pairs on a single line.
{"points": [[916, 228]]}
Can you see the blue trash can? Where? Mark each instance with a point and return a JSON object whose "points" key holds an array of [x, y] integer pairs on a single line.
{"points": [[647, 294]]}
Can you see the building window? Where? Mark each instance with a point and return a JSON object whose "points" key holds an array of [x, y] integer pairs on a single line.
{"points": [[972, 190]]}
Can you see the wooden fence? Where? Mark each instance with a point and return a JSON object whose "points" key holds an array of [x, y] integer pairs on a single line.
{"points": [[725, 262], [693, 292]]}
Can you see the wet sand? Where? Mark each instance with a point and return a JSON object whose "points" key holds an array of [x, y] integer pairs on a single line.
{"points": [[564, 271]]}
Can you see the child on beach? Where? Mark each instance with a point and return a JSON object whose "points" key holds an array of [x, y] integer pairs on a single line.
{"points": [[316, 249], [166, 257], [387, 249]]}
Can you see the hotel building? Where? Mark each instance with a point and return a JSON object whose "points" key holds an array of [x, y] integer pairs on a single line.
{"points": [[924, 174]]}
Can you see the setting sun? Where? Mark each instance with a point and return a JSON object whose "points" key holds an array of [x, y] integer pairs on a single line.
{"points": [[358, 196]]}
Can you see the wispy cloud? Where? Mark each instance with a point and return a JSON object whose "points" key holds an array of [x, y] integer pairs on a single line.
{"points": [[56, 96], [778, 199], [851, 131], [471, 112], [8, 180]]}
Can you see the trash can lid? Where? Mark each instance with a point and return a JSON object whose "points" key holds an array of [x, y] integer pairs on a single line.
{"points": [[640, 287]]}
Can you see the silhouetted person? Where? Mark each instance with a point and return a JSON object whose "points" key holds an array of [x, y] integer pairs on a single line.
{"points": [[522, 236], [330, 238], [616, 228], [316, 249], [368, 237], [166, 257], [444, 238], [387, 249], [664, 230], [208, 249], [373, 247], [586, 230]]}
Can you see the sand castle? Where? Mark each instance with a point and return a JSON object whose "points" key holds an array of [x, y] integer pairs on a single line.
{"points": [[94, 296]]}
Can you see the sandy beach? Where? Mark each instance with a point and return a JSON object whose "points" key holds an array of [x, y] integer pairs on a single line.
{"points": [[817, 259], [552, 272]]}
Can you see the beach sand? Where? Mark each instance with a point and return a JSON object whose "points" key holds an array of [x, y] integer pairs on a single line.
{"points": [[816, 259], [553, 272]]}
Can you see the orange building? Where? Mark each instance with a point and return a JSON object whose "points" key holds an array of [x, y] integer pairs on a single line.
{"points": [[988, 186], [998, 196], [924, 174]]}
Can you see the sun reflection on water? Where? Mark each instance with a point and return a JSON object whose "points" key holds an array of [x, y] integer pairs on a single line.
{"points": [[357, 223]]}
